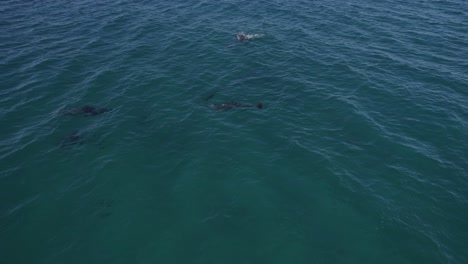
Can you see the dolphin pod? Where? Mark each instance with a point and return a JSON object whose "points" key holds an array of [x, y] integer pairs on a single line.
{"points": [[89, 110]]}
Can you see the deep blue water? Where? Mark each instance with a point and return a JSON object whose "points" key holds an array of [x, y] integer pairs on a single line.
{"points": [[359, 155]]}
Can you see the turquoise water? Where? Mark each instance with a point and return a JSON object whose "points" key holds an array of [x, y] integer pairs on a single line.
{"points": [[359, 155]]}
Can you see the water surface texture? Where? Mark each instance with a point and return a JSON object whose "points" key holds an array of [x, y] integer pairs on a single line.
{"points": [[359, 155]]}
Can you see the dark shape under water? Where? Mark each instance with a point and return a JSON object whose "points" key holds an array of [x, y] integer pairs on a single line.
{"points": [[86, 110], [209, 97], [71, 140], [229, 105]]}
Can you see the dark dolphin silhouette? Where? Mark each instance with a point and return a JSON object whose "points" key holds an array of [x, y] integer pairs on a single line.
{"points": [[86, 110], [209, 97], [72, 140], [229, 105]]}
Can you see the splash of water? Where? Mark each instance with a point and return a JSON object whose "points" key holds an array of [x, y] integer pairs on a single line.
{"points": [[252, 36]]}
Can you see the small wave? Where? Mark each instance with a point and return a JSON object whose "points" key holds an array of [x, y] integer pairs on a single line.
{"points": [[19, 206]]}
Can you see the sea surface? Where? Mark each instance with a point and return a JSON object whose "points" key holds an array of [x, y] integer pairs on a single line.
{"points": [[359, 154]]}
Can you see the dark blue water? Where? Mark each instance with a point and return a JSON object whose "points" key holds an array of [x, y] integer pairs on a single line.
{"points": [[359, 154]]}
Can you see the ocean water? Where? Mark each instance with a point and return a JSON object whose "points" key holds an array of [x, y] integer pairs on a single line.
{"points": [[359, 155]]}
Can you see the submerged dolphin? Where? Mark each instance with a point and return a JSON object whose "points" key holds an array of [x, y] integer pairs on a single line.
{"points": [[71, 140], [229, 105], [86, 110]]}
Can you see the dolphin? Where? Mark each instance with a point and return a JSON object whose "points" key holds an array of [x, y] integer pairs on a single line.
{"points": [[86, 110], [209, 97], [245, 38], [71, 140], [229, 105]]}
